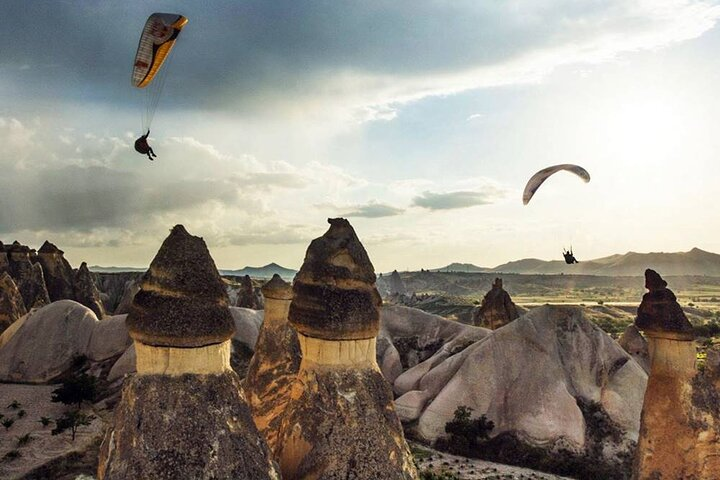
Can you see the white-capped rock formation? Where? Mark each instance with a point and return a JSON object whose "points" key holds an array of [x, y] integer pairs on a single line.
{"points": [[339, 421], [183, 414]]}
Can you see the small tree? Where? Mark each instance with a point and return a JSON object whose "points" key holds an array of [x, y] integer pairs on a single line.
{"points": [[75, 390], [465, 433], [72, 420]]}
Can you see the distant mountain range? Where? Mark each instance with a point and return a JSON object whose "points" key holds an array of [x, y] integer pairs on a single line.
{"points": [[262, 272], [256, 272], [694, 262]]}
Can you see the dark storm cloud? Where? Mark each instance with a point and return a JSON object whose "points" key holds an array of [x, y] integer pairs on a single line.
{"points": [[452, 200], [240, 53], [81, 198]]}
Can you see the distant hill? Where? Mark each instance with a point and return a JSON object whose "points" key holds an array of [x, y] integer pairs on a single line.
{"points": [[461, 267], [694, 262], [263, 272], [99, 269]]}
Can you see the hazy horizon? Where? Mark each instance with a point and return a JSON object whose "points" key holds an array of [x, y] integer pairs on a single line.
{"points": [[420, 122]]}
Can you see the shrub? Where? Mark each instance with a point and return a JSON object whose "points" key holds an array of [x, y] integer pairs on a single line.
{"points": [[14, 405], [7, 423], [76, 389], [45, 421], [466, 433], [12, 455], [429, 474], [23, 440], [72, 420], [21, 413]]}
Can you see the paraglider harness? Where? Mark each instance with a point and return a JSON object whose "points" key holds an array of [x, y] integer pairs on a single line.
{"points": [[569, 257], [141, 146]]}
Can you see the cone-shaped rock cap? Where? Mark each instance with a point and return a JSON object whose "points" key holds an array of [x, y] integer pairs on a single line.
{"points": [[277, 288], [182, 301], [48, 247], [334, 292], [659, 313]]}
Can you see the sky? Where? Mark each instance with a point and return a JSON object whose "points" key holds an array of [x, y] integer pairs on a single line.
{"points": [[419, 121]]}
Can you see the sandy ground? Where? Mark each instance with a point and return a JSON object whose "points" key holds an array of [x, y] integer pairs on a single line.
{"points": [[471, 469], [42, 447]]}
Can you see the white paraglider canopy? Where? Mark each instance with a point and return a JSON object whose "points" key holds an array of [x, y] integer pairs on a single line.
{"points": [[536, 180]]}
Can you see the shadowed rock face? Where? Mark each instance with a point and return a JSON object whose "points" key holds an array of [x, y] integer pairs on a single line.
{"points": [[86, 292], [497, 308], [396, 284], [57, 271], [335, 295], [190, 426], [29, 278], [11, 302], [246, 295], [182, 301], [659, 311]]}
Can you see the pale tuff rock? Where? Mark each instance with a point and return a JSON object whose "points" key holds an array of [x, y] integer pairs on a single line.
{"points": [[57, 272], [680, 426], [12, 306], [27, 276], [86, 292], [275, 364], [340, 421], [396, 284], [635, 344], [183, 415], [497, 308], [46, 342], [528, 378]]}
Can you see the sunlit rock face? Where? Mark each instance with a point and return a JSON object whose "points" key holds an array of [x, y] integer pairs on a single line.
{"points": [[680, 418], [28, 277], [12, 306], [86, 292], [57, 271], [340, 421], [635, 344], [183, 415], [497, 308], [275, 364]]}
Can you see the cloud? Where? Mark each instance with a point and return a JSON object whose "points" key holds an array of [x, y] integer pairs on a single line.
{"points": [[372, 210], [453, 200], [362, 60]]}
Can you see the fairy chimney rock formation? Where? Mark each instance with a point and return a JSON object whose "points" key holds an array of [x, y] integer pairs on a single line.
{"points": [[396, 284], [340, 421], [11, 302], [28, 277], [86, 292], [4, 263], [497, 308], [57, 272], [275, 364], [246, 295], [680, 418], [183, 415]]}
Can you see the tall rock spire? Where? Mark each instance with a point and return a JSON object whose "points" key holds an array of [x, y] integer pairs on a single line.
{"points": [[183, 415], [275, 364], [680, 420], [340, 421]]}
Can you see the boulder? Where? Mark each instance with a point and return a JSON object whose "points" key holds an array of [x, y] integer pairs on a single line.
{"points": [[532, 378], [47, 343], [109, 339]]}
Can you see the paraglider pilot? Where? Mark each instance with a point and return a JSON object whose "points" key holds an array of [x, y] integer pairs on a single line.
{"points": [[569, 257], [141, 146]]}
